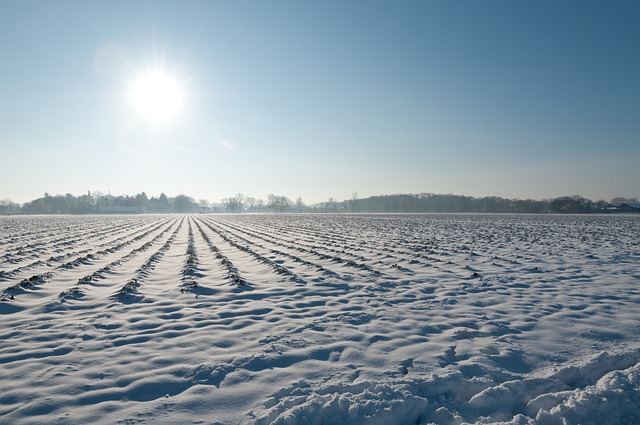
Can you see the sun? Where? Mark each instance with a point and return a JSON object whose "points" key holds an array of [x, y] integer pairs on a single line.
{"points": [[157, 97]]}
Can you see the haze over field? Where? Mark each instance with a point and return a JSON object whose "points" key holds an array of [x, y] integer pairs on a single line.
{"points": [[320, 99]]}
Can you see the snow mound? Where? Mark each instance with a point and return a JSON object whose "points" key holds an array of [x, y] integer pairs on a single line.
{"points": [[614, 398], [384, 403]]}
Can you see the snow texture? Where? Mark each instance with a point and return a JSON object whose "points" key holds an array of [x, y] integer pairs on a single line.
{"points": [[316, 319]]}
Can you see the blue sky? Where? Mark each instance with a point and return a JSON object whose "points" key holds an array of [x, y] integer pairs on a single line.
{"points": [[323, 99]]}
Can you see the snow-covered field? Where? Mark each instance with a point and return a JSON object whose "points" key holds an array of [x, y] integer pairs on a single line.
{"points": [[259, 319]]}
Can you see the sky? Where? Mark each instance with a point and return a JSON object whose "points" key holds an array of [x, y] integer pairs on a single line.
{"points": [[321, 99]]}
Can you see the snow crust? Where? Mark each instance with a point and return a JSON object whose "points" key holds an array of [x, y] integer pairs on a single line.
{"points": [[373, 319]]}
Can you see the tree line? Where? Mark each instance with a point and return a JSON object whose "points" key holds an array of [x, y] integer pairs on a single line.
{"points": [[99, 203], [435, 203]]}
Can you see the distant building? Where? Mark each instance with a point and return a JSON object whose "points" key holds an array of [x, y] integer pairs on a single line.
{"points": [[629, 208]]}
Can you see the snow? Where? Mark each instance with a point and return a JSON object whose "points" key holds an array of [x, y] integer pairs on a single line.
{"points": [[314, 319]]}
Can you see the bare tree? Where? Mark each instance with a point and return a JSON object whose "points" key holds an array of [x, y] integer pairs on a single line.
{"points": [[204, 205], [234, 204], [250, 202], [7, 206], [240, 200], [332, 205], [354, 202], [279, 204]]}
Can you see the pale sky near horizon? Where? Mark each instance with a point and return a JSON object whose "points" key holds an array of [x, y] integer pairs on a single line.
{"points": [[323, 99]]}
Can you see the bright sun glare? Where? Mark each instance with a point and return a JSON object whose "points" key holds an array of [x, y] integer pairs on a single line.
{"points": [[157, 97]]}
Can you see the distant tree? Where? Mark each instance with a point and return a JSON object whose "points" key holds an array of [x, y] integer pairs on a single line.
{"points": [[250, 203], [620, 200], [234, 204], [272, 203], [142, 202], [570, 205], [163, 203], [85, 204], [353, 205], [240, 198], [204, 205], [7, 206], [278, 204], [299, 205], [184, 204], [601, 205], [331, 205]]}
